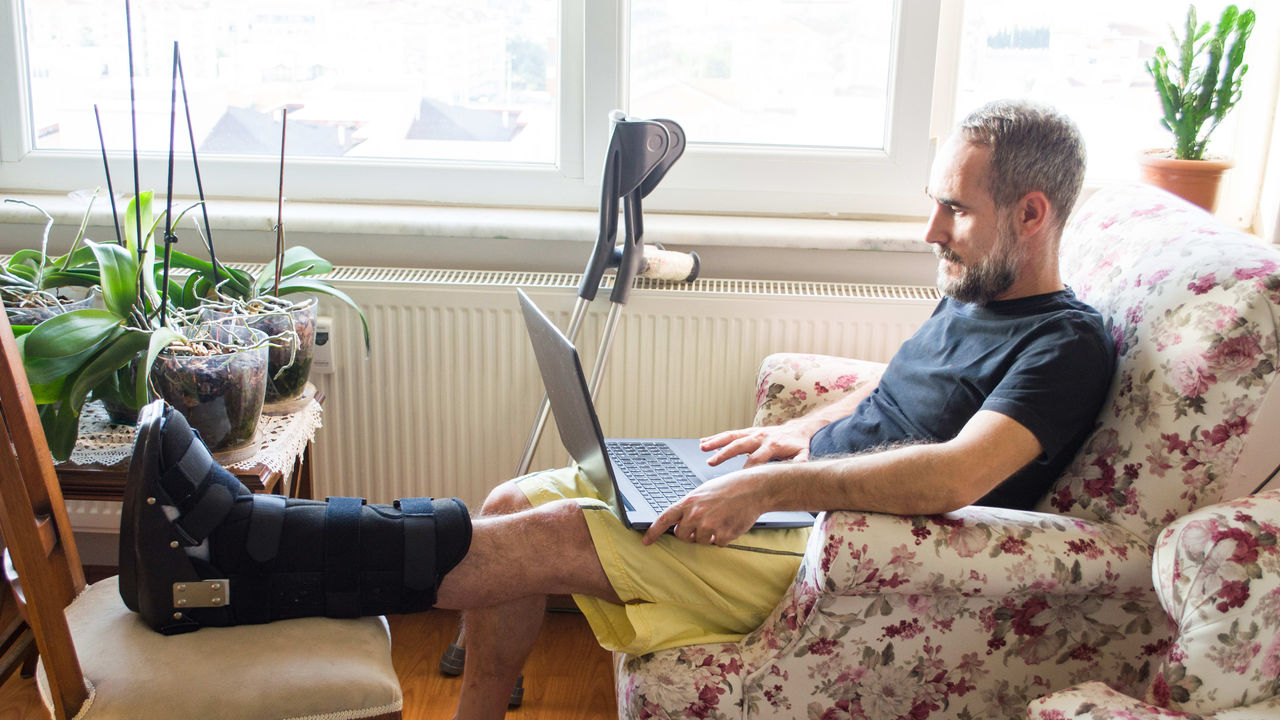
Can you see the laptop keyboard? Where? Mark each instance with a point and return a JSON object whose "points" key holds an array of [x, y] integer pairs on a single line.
{"points": [[657, 472]]}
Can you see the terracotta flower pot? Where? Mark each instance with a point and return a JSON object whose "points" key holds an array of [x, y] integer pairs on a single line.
{"points": [[1196, 181]]}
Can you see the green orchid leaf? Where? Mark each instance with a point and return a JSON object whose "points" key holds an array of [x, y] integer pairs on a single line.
{"points": [[28, 258], [47, 393], [47, 370], [81, 257], [26, 272], [71, 333], [118, 272], [188, 296], [298, 260], [107, 361], [190, 262], [146, 256], [61, 427], [160, 339], [319, 286], [46, 385], [131, 220], [70, 278], [239, 283]]}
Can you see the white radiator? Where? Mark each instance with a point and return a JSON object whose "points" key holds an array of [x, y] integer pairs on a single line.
{"points": [[443, 404]]}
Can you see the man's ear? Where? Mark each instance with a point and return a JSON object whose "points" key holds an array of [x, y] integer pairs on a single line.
{"points": [[1033, 213]]}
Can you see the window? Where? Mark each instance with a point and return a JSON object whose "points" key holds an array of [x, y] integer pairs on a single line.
{"points": [[788, 107], [429, 80], [799, 107], [1088, 58]]}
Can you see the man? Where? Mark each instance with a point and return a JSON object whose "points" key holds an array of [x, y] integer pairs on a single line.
{"points": [[985, 404]]}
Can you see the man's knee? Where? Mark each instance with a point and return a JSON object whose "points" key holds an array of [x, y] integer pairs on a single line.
{"points": [[505, 499]]}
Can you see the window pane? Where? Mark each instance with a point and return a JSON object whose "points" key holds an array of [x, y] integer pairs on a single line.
{"points": [[764, 72], [1088, 59], [470, 80]]}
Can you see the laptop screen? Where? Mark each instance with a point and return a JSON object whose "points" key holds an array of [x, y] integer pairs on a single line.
{"points": [[566, 386]]}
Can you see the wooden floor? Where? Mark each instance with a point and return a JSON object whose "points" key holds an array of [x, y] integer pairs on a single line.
{"points": [[568, 677]]}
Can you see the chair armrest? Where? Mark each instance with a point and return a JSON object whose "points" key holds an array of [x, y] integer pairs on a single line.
{"points": [[1217, 571], [975, 551], [792, 384], [1096, 701]]}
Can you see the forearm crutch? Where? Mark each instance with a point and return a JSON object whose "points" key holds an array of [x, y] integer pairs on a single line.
{"points": [[640, 154]]}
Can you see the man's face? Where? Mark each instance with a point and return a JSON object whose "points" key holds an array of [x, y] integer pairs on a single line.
{"points": [[976, 243]]}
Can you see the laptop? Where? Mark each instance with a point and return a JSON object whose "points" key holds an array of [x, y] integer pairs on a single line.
{"points": [[639, 477]]}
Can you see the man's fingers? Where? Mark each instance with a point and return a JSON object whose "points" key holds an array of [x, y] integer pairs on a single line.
{"points": [[668, 518], [741, 446], [719, 440]]}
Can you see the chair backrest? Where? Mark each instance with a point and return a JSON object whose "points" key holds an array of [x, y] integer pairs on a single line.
{"points": [[1193, 306], [37, 531]]}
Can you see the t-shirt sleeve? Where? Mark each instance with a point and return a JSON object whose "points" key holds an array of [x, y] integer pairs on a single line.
{"points": [[1057, 384]]}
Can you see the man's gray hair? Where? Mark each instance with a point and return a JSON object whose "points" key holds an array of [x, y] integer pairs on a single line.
{"points": [[1033, 147]]}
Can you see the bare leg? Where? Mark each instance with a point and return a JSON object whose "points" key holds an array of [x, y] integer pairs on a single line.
{"points": [[516, 559]]}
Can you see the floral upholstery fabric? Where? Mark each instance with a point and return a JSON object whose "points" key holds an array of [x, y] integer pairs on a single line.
{"points": [[791, 384], [975, 613], [1192, 306], [1218, 575], [1096, 701]]}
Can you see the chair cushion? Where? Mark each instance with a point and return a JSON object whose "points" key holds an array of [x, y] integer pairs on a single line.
{"points": [[302, 668]]}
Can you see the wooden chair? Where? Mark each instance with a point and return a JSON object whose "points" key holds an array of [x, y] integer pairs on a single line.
{"points": [[99, 660]]}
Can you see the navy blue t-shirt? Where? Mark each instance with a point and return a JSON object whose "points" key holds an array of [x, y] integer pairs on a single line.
{"points": [[1045, 361]]}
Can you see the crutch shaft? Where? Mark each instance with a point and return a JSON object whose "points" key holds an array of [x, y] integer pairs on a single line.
{"points": [[606, 341]]}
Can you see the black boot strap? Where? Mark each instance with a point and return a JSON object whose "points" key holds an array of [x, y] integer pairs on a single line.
{"points": [[419, 544], [202, 514], [266, 523], [191, 471], [342, 556]]}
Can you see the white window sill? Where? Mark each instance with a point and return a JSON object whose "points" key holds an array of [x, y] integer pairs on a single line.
{"points": [[508, 238]]}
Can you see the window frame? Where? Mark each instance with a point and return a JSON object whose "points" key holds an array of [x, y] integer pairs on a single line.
{"points": [[593, 51]]}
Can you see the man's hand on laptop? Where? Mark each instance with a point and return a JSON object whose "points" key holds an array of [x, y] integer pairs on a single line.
{"points": [[716, 512], [788, 441]]}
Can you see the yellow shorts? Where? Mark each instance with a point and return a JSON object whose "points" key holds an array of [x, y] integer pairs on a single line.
{"points": [[674, 593]]}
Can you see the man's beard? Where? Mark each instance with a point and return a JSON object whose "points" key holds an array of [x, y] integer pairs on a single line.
{"points": [[985, 280]]}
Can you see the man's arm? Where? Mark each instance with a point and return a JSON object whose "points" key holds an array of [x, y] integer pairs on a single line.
{"points": [[909, 480], [788, 441]]}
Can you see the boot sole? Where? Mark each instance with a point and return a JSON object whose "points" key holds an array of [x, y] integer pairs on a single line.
{"points": [[146, 455]]}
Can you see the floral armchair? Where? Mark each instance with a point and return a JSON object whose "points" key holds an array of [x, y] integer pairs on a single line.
{"points": [[975, 613], [1218, 574]]}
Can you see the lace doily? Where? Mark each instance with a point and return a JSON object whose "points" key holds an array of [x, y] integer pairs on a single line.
{"points": [[282, 438]]}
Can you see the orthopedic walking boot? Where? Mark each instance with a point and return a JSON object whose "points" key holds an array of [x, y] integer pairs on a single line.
{"points": [[198, 549]]}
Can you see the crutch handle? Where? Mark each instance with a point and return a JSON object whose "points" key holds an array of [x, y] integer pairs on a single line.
{"points": [[669, 265]]}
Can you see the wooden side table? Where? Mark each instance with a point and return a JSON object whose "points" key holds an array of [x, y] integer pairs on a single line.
{"points": [[268, 470]]}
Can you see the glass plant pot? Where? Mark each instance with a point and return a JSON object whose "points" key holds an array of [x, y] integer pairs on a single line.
{"points": [[36, 314], [220, 394], [289, 360]]}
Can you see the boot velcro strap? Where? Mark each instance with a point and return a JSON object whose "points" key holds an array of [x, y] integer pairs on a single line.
{"points": [[342, 556], [265, 525], [186, 476], [201, 517], [419, 544]]}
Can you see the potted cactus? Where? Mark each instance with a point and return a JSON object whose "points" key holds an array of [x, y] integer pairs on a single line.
{"points": [[1198, 85]]}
